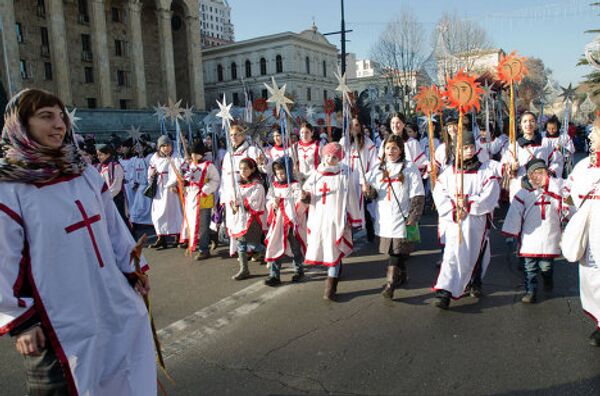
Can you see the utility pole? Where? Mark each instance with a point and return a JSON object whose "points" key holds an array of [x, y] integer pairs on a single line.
{"points": [[343, 32]]}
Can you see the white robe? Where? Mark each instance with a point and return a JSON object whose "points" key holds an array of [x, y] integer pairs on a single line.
{"points": [[585, 180], [481, 189], [254, 199], [413, 152], [388, 218], [285, 212], [127, 165], [560, 143], [166, 205], [140, 209], [64, 251], [203, 179], [227, 190], [309, 157], [534, 218], [332, 213]]}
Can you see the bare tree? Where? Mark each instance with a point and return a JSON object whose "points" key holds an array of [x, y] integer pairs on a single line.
{"points": [[400, 50], [534, 82]]}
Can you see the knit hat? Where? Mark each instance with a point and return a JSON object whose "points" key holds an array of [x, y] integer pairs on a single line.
{"points": [[334, 149], [164, 140], [535, 164], [467, 138]]}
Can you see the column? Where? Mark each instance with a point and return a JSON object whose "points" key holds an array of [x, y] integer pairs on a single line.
{"points": [[100, 50], [166, 52], [194, 57], [137, 53], [10, 59], [57, 31]]}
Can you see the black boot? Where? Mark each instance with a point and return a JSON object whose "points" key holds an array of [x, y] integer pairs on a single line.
{"points": [[392, 280], [160, 242], [442, 299], [548, 280]]}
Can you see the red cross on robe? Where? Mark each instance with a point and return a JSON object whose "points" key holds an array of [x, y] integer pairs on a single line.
{"points": [[87, 223], [324, 190], [542, 203], [389, 182]]}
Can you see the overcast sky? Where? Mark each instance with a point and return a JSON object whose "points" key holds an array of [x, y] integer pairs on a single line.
{"points": [[552, 30]]}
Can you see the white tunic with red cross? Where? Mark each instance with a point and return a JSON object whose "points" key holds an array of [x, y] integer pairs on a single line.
{"points": [[309, 157], [226, 189], [285, 212], [254, 199], [481, 190], [534, 219], [332, 213], [202, 180], [584, 182], [167, 215], [141, 206], [359, 161], [64, 251]]}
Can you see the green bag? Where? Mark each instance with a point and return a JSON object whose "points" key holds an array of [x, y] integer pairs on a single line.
{"points": [[413, 234]]}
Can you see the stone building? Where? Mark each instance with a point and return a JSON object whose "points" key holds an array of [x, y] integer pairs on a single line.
{"points": [[104, 53], [304, 61], [215, 19]]}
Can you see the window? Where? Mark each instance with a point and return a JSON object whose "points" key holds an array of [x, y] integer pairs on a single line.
{"points": [[88, 74], [308, 94], [84, 16], [121, 78], [236, 99], [41, 8], [123, 104], [324, 69], [278, 64], [86, 42], [23, 69], [19, 30], [120, 47], [219, 73], [47, 71], [233, 71], [263, 67], [307, 63], [264, 94], [248, 67], [91, 102], [44, 36], [116, 14]]}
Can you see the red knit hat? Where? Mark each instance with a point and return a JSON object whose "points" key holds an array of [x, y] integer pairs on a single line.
{"points": [[334, 149]]}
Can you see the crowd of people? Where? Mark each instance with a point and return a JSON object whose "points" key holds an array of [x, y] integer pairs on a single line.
{"points": [[74, 207]]}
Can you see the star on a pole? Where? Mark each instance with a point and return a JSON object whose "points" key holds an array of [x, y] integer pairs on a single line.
{"points": [[134, 133], [224, 112], [487, 91], [188, 113], [342, 86], [73, 118], [159, 111], [278, 97], [568, 93], [173, 110], [309, 112]]}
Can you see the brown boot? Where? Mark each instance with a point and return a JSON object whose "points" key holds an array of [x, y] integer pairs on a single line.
{"points": [[330, 289], [392, 280]]}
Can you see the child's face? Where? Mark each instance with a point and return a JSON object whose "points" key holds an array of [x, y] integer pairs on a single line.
{"points": [[452, 129], [469, 151], [305, 135], [538, 178], [166, 149], [331, 160], [245, 171], [392, 151], [411, 133], [277, 138], [552, 128], [101, 156], [280, 175], [528, 124], [397, 125]]}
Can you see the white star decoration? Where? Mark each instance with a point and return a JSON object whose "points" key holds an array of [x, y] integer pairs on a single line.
{"points": [[309, 113], [342, 86], [225, 112], [487, 91], [188, 113], [173, 110], [159, 111], [73, 118], [278, 97], [134, 133]]}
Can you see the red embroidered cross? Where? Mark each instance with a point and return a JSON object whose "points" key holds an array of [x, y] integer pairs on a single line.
{"points": [[87, 223], [324, 190], [389, 182], [138, 170], [305, 156], [543, 204]]}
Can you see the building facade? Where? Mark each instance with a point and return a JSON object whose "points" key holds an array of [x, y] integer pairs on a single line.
{"points": [[124, 54], [304, 61], [215, 20]]}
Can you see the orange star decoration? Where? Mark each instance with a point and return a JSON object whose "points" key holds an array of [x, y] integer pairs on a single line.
{"points": [[429, 100], [462, 92], [511, 68]]}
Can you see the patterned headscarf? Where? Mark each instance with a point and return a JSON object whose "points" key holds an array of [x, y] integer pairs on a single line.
{"points": [[26, 161]]}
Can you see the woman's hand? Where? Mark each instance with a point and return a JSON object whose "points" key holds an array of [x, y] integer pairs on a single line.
{"points": [[31, 342]]}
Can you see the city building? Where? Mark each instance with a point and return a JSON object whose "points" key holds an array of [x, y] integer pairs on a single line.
{"points": [[215, 22], [120, 54], [477, 61], [304, 61]]}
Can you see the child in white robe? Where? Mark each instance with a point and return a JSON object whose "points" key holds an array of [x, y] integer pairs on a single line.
{"points": [[308, 152], [332, 213], [466, 217], [287, 223], [561, 142], [534, 218]]}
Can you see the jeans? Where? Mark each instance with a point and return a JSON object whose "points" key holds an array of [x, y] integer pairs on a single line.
{"points": [[531, 266], [334, 272], [204, 231], [242, 246], [298, 258]]}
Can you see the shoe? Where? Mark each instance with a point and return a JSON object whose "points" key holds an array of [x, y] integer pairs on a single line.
{"points": [[258, 257], [272, 281], [442, 302], [160, 242], [298, 277], [183, 245], [243, 273], [330, 289], [201, 256], [213, 246], [595, 338], [528, 298], [475, 291], [392, 280]]}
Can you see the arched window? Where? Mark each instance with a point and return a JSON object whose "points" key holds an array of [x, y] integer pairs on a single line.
{"points": [[324, 69], [233, 71], [263, 67], [219, 73], [307, 62], [248, 67], [278, 64]]}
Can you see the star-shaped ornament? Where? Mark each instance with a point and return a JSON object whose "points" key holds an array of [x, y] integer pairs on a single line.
{"points": [[224, 112], [343, 86], [173, 110], [568, 93], [73, 118], [134, 133], [309, 113], [188, 113], [278, 97], [159, 111], [487, 91]]}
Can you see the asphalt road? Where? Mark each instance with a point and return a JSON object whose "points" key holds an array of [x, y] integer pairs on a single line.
{"points": [[222, 337]]}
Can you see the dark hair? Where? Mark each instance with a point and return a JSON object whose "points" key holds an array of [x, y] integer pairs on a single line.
{"points": [[531, 113], [250, 163], [553, 120], [28, 101], [307, 125], [402, 118], [107, 149], [360, 137], [396, 139]]}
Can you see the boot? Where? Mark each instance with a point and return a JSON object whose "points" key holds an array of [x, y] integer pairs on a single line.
{"points": [[402, 276], [330, 288], [243, 272], [442, 299], [160, 242], [392, 279], [529, 298], [548, 281]]}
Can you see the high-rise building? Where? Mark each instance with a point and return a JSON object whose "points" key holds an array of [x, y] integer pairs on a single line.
{"points": [[215, 22]]}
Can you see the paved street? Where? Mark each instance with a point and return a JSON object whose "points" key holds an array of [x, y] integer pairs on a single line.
{"points": [[225, 337]]}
